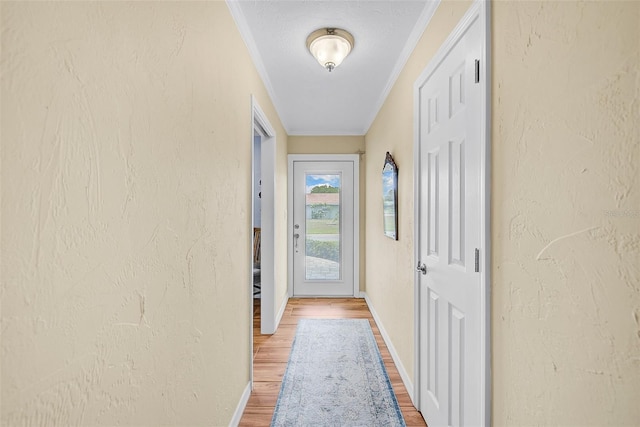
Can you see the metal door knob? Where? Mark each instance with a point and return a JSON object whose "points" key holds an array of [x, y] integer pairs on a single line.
{"points": [[421, 267]]}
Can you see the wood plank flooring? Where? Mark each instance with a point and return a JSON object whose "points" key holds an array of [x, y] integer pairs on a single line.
{"points": [[271, 353]]}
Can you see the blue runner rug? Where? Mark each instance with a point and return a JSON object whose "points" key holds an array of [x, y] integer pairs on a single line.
{"points": [[336, 377]]}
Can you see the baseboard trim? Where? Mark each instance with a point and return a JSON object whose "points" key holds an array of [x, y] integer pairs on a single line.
{"points": [[281, 312], [394, 354], [242, 404]]}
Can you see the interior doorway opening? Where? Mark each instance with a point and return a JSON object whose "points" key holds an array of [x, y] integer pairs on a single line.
{"points": [[263, 161], [257, 215]]}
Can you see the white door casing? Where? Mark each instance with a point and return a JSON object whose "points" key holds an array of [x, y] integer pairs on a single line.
{"points": [[268, 310], [451, 226], [323, 233]]}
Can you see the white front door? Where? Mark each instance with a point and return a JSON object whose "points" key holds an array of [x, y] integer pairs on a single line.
{"points": [[451, 323], [323, 225]]}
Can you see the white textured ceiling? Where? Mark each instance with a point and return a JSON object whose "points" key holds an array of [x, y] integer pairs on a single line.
{"points": [[309, 99]]}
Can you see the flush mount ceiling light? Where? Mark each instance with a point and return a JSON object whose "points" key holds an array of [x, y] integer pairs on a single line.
{"points": [[330, 46]]}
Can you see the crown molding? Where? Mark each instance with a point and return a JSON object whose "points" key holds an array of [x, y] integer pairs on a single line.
{"points": [[412, 41], [247, 37]]}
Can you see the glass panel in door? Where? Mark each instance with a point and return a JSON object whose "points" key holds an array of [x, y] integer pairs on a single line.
{"points": [[322, 211]]}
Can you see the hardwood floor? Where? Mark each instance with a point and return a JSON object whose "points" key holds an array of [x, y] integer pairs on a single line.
{"points": [[271, 353]]}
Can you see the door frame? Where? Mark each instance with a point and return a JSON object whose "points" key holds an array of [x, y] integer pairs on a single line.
{"points": [[479, 10], [260, 125], [355, 158]]}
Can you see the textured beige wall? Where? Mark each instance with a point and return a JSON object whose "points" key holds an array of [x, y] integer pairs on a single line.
{"points": [[565, 210], [339, 145], [346, 144], [126, 212], [389, 264], [566, 213]]}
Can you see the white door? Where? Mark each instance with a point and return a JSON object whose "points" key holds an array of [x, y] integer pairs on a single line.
{"points": [[323, 225], [449, 233]]}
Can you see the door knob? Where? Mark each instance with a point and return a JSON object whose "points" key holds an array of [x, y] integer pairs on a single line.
{"points": [[421, 267]]}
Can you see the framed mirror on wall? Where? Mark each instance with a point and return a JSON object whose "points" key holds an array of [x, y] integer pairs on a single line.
{"points": [[390, 197]]}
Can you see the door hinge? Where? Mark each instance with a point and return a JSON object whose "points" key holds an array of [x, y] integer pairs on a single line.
{"points": [[477, 260], [477, 71]]}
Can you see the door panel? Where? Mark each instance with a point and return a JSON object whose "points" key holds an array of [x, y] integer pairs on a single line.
{"points": [[433, 198], [456, 202], [433, 343], [456, 367], [449, 224], [323, 216]]}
